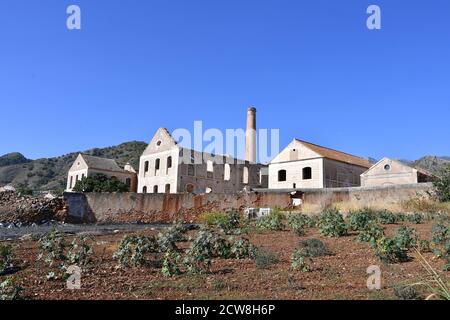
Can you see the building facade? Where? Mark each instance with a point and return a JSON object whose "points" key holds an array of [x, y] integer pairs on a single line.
{"points": [[166, 167], [303, 165], [391, 172], [87, 166]]}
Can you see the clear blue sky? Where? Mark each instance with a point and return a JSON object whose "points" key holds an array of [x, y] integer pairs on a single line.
{"points": [[311, 67]]}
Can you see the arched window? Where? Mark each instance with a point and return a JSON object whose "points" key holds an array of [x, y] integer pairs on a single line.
{"points": [[282, 175], [144, 190], [155, 189], [169, 162], [71, 182], [245, 176], [146, 166], [307, 173], [157, 164], [227, 172], [128, 183], [167, 188]]}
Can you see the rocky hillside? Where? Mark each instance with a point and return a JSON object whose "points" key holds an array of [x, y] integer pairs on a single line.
{"points": [[50, 173], [13, 158], [432, 164]]}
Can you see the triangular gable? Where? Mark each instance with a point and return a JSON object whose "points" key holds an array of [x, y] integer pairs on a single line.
{"points": [[161, 141], [394, 167], [295, 150], [79, 164]]}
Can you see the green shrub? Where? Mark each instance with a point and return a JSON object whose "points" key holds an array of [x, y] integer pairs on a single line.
{"points": [[100, 183], [241, 248], [387, 217], [134, 250], [9, 290], [406, 237], [273, 221], [299, 222], [167, 240], [171, 264], [360, 220], [406, 292], [313, 248], [213, 218], [442, 185], [424, 246], [401, 217], [207, 245], [53, 245], [80, 252], [6, 257], [332, 224], [264, 259], [415, 218], [298, 262], [228, 222], [440, 242], [389, 251], [372, 232]]}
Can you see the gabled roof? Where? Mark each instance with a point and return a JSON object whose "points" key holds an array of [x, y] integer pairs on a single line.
{"points": [[419, 170], [101, 163], [336, 155]]}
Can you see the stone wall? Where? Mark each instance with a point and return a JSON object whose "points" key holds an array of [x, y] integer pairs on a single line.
{"points": [[168, 207]]}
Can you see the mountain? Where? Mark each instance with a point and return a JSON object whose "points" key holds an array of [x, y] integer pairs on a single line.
{"points": [[432, 164], [51, 173], [13, 158]]}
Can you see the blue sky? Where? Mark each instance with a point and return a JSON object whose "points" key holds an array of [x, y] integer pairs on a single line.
{"points": [[311, 67]]}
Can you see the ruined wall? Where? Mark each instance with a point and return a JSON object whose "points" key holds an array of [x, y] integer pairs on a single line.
{"points": [[168, 207]]}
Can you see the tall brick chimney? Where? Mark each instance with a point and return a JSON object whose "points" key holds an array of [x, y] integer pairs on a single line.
{"points": [[250, 136]]}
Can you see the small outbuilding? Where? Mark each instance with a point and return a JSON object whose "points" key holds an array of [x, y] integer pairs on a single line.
{"points": [[391, 172], [86, 166]]}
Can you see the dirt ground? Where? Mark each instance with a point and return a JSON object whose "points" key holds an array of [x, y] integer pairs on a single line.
{"points": [[341, 275]]}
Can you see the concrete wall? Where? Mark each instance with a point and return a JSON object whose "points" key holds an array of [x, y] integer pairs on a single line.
{"points": [[168, 207]]}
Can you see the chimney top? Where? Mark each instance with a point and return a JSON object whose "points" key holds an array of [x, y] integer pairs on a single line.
{"points": [[252, 109]]}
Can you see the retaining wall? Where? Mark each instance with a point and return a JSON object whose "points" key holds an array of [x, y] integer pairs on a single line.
{"points": [[107, 207]]}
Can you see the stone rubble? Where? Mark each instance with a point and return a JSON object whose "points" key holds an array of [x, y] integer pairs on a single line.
{"points": [[17, 210]]}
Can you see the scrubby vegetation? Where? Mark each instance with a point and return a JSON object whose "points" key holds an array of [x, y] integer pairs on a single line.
{"points": [[313, 248], [134, 251], [360, 220], [6, 258], [298, 261], [300, 222], [9, 290], [332, 224], [272, 221], [263, 258], [100, 183], [442, 185], [440, 242], [387, 217], [395, 249]]}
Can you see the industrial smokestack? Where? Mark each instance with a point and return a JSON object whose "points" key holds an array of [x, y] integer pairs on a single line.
{"points": [[250, 136]]}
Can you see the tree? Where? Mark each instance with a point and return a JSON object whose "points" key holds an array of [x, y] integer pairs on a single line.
{"points": [[100, 183], [442, 185]]}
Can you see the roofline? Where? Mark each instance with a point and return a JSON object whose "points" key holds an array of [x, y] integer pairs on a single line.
{"points": [[318, 145]]}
